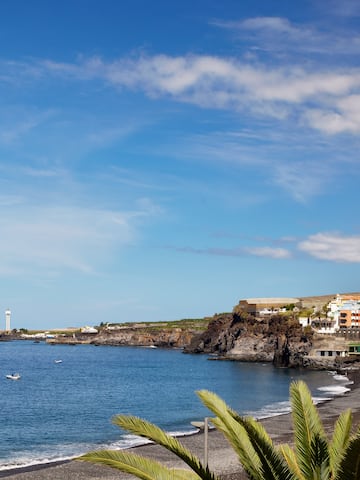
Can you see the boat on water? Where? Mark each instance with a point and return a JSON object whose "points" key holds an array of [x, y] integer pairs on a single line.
{"points": [[13, 376], [58, 361]]}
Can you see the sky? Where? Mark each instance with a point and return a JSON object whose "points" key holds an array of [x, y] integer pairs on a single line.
{"points": [[163, 160]]}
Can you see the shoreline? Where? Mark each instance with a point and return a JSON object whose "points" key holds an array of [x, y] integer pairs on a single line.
{"points": [[222, 459]]}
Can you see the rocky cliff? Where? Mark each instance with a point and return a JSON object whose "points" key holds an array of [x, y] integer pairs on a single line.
{"points": [[278, 339], [237, 336]]}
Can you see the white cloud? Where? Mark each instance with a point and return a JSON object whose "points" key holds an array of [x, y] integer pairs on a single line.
{"points": [[333, 247], [213, 82], [269, 252], [308, 94], [345, 116], [301, 179]]}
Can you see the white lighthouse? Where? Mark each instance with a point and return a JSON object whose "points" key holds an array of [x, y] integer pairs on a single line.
{"points": [[7, 320]]}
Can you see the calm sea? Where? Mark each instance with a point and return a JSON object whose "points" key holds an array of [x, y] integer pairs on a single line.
{"points": [[60, 410]]}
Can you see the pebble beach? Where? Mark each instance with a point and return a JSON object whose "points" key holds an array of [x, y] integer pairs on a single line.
{"points": [[222, 459]]}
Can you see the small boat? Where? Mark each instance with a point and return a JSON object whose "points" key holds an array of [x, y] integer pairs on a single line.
{"points": [[13, 376], [57, 361]]}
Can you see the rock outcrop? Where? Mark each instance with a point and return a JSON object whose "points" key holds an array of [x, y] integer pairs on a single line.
{"points": [[237, 336], [146, 337], [133, 336], [278, 339]]}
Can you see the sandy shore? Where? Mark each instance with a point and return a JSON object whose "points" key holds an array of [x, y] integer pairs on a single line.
{"points": [[222, 459]]}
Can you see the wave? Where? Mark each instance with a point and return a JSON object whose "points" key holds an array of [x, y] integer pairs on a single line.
{"points": [[26, 459], [327, 393]]}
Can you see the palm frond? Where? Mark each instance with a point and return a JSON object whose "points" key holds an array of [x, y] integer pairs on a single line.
{"points": [[349, 468], [249, 439], [306, 422], [239, 440], [141, 467], [234, 432], [291, 459], [320, 458], [152, 432], [340, 440], [272, 461]]}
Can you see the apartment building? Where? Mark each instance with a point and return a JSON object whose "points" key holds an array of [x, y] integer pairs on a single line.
{"points": [[344, 312]]}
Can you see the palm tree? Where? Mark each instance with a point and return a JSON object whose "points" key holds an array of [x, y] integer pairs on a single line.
{"points": [[314, 456]]}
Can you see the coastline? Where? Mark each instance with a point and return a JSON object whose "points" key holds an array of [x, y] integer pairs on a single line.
{"points": [[222, 459]]}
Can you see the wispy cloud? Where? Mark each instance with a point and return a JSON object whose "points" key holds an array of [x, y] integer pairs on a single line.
{"points": [[277, 35], [279, 103], [269, 252], [19, 128], [265, 252], [56, 239], [302, 179], [227, 83], [332, 247], [345, 8]]}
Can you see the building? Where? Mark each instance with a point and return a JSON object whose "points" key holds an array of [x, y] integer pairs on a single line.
{"points": [[344, 312], [354, 348], [265, 307], [8, 320], [88, 329]]}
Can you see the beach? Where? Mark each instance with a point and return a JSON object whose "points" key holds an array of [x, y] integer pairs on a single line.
{"points": [[222, 459]]}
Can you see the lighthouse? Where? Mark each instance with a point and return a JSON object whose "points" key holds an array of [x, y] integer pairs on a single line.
{"points": [[7, 320]]}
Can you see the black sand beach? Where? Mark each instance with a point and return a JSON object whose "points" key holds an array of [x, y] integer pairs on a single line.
{"points": [[222, 459]]}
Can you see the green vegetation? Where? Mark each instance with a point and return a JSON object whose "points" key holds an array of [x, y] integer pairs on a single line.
{"points": [[186, 323], [313, 457], [65, 332], [290, 307]]}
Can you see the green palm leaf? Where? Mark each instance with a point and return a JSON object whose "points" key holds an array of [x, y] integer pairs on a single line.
{"points": [[291, 460], [313, 458], [340, 440], [152, 432], [320, 458], [272, 461], [144, 468], [249, 439], [234, 432], [350, 465], [307, 424]]}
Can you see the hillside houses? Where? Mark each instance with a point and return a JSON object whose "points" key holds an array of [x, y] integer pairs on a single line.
{"points": [[344, 312], [334, 320]]}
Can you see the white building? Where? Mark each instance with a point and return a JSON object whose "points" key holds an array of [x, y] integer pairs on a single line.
{"points": [[87, 329], [340, 304], [8, 320]]}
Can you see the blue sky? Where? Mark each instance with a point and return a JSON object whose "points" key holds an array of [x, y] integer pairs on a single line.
{"points": [[162, 160]]}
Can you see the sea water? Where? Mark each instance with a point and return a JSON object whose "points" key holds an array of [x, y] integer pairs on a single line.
{"points": [[58, 410]]}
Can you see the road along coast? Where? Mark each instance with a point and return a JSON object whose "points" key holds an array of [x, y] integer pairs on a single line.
{"points": [[222, 459]]}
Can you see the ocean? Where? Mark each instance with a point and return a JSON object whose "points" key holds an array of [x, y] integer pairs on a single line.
{"points": [[59, 410]]}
